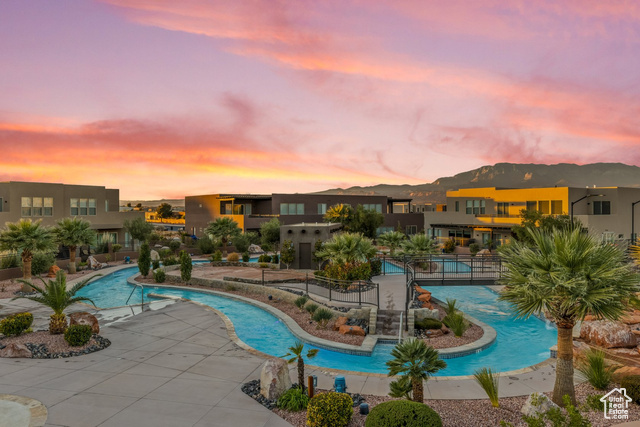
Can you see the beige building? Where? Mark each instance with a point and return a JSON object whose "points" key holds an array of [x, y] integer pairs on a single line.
{"points": [[50, 202]]}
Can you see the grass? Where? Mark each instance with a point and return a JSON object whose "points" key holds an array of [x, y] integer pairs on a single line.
{"points": [[489, 383], [595, 369], [301, 301], [456, 322], [311, 308], [322, 316], [293, 400]]}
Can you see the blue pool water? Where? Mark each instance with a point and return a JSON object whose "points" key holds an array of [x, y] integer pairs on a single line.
{"points": [[449, 265], [519, 344]]}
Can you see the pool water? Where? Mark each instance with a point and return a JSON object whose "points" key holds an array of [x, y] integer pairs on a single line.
{"points": [[449, 265], [520, 343]]}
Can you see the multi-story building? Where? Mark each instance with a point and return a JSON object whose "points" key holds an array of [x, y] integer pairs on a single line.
{"points": [[251, 210], [484, 214], [50, 202]]}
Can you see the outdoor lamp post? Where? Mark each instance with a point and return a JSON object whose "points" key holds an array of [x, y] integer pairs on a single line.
{"points": [[633, 234], [580, 199]]}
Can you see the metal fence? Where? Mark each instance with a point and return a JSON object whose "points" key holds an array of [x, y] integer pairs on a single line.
{"points": [[456, 269]]}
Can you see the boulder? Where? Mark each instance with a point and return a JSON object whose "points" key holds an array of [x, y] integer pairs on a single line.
{"points": [[15, 350], [274, 378], [351, 330], [626, 352], [433, 333], [155, 256], [340, 321], [84, 318], [607, 334], [537, 403], [428, 305], [445, 330], [425, 313], [424, 297], [53, 270], [630, 319], [625, 371], [421, 290]]}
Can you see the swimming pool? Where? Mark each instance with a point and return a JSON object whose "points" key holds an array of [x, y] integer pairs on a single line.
{"points": [[266, 333], [449, 266]]}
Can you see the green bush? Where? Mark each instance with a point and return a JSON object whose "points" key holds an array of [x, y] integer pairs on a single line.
{"points": [[264, 258], [593, 403], [301, 301], [275, 259], [174, 245], [349, 271], [206, 245], [233, 257], [170, 260], [10, 261], [376, 266], [293, 400], [449, 246], [155, 264], [329, 410], [217, 256], [246, 257], [474, 248], [595, 369], [632, 384], [144, 259], [159, 275], [42, 262], [77, 335], [311, 308], [457, 323], [403, 413], [165, 253], [322, 316], [186, 266], [428, 323], [16, 324], [263, 265]]}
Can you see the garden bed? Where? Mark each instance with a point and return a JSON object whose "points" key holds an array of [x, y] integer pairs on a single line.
{"points": [[44, 345], [473, 333]]}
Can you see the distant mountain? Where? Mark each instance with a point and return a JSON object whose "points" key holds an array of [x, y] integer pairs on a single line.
{"points": [[154, 203], [509, 175]]}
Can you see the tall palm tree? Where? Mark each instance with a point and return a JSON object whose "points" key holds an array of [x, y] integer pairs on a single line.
{"points": [[418, 245], [55, 296], [27, 237], [416, 362], [223, 229], [74, 232], [347, 248], [566, 275], [295, 352], [392, 240]]}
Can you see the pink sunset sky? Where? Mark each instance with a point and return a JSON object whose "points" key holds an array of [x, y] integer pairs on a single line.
{"points": [[166, 98]]}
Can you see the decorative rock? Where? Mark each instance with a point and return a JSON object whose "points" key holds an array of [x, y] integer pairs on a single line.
{"points": [[155, 256], [589, 317], [340, 321], [351, 330], [630, 319], [15, 350], [421, 290], [274, 378], [53, 270], [625, 371], [433, 333], [84, 318], [607, 334], [424, 313], [427, 305], [626, 352], [537, 403], [424, 297]]}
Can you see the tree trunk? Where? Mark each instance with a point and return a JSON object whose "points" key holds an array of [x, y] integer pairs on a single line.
{"points": [[564, 366], [26, 270], [224, 247], [301, 373], [418, 393], [72, 259]]}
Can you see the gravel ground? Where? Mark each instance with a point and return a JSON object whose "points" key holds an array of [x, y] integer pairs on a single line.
{"points": [[476, 413], [52, 346]]}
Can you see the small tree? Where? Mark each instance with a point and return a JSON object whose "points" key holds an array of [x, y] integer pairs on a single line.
{"points": [[366, 221], [174, 245], [115, 248], [393, 240], [164, 211], [138, 228], [340, 213], [144, 259], [288, 253], [270, 232], [295, 352], [317, 252], [73, 232], [241, 242], [224, 229], [185, 266]]}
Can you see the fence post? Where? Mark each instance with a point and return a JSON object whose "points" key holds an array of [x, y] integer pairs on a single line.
{"points": [[471, 272], [263, 277], [378, 295], [360, 293], [330, 283], [141, 298]]}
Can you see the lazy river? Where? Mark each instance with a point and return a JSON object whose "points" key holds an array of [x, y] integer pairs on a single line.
{"points": [[519, 343]]}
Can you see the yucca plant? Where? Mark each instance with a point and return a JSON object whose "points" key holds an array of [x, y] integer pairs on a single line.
{"points": [[595, 369], [489, 382], [56, 296], [457, 323], [322, 316], [451, 306], [301, 301], [311, 308], [295, 354]]}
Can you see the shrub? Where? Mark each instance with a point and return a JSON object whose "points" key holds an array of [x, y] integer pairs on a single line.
{"points": [[174, 245], [593, 403], [154, 238], [155, 264], [449, 246], [16, 324], [263, 265], [293, 400], [144, 259], [233, 257], [170, 260], [403, 413], [246, 257], [595, 369], [570, 417], [451, 306], [457, 323], [165, 253], [311, 308], [632, 384], [489, 383], [206, 245], [275, 259], [329, 410], [77, 335], [217, 256], [376, 266], [322, 316], [159, 275], [10, 261], [264, 258], [185, 266], [349, 271], [474, 248], [428, 323], [230, 288], [301, 301], [42, 262]]}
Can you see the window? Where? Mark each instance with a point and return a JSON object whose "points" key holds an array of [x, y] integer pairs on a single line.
{"points": [[602, 207], [373, 207], [543, 206], [106, 206], [92, 206], [469, 207], [502, 209], [411, 229], [37, 206], [83, 207], [457, 206], [127, 238], [476, 207], [382, 230], [48, 206], [291, 208], [531, 205], [556, 207], [75, 204], [26, 206], [322, 208]]}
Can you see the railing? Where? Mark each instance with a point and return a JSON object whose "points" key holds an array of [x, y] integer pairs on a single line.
{"points": [[463, 269], [135, 286]]}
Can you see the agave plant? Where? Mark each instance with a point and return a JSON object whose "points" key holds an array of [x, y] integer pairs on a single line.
{"points": [[56, 296]]}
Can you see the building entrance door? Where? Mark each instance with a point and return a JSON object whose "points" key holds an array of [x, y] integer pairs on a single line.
{"points": [[305, 255]]}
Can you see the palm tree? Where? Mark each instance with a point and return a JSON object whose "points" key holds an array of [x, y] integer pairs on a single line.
{"points": [[566, 275], [74, 232], [416, 362], [55, 296], [347, 248], [392, 240], [295, 352], [419, 245], [27, 237], [339, 213], [223, 229]]}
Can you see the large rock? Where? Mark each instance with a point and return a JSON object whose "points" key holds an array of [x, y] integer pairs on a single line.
{"points": [[84, 318], [340, 321], [274, 378], [15, 350], [155, 256], [537, 403], [608, 334], [424, 297], [421, 290], [351, 330], [53, 270], [424, 313]]}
